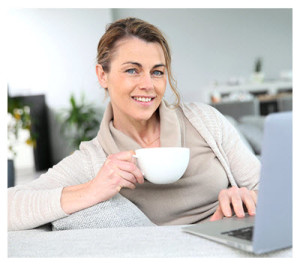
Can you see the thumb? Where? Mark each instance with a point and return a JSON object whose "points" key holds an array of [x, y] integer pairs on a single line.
{"points": [[218, 215], [125, 156]]}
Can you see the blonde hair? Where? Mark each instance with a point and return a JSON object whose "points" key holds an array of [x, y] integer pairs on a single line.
{"points": [[134, 27]]}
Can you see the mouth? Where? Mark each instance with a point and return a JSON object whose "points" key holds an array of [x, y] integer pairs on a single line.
{"points": [[143, 99]]}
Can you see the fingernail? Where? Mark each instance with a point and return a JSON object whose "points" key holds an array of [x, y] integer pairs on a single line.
{"points": [[241, 214], [228, 214]]}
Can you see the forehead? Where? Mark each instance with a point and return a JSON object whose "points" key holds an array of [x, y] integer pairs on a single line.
{"points": [[134, 49]]}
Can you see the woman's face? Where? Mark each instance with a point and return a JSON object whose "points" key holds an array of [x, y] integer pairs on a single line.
{"points": [[137, 79]]}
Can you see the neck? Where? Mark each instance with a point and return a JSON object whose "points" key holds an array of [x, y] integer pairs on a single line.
{"points": [[146, 133]]}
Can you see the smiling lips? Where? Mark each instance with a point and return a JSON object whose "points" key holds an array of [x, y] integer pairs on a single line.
{"points": [[142, 99]]}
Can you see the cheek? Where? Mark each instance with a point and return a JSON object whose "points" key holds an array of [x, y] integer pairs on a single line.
{"points": [[117, 86], [162, 85]]}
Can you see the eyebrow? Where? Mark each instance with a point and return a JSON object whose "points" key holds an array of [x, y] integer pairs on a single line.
{"points": [[140, 65]]}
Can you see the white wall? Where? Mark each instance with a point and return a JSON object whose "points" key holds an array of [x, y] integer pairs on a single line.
{"points": [[53, 52], [216, 44]]}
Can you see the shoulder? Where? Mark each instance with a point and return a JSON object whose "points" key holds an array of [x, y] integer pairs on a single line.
{"points": [[208, 121], [206, 113], [91, 147]]}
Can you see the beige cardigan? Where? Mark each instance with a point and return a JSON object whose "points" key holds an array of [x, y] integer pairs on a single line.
{"points": [[38, 202]]}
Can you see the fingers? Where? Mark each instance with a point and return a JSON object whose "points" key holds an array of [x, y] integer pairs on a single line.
{"points": [[118, 171], [237, 203], [125, 184], [133, 169], [250, 201], [224, 203], [121, 171], [254, 195], [218, 215], [130, 168], [123, 156], [234, 199], [127, 176]]}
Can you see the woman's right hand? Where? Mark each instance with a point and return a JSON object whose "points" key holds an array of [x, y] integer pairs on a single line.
{"points": [[118, 171]]}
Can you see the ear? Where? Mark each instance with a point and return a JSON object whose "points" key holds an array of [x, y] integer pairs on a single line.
{"points": [[102, 76]]}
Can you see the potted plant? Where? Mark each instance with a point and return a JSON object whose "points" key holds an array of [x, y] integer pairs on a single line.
{"points": [[80, 122], [18, 118], [258, 75]]}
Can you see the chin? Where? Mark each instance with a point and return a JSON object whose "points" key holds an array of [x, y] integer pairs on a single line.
{"points": [[144, 117]]}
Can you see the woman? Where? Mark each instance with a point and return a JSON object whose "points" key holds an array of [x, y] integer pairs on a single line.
{"points": [[134, 63]]}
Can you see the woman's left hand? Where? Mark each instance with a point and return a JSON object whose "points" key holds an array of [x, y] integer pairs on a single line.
{"points": [[233, 199]]}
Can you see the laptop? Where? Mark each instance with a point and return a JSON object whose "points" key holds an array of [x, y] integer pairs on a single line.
{"points": [[271, 228]]}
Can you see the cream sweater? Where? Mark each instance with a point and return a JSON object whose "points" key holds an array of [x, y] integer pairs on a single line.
{"points": [[194, 197], [38, 202]]}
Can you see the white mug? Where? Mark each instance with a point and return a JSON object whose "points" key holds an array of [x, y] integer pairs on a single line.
{"points": [[163, 165]]}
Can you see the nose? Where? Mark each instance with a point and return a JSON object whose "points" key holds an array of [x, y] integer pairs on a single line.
{"points": [[146, 82]]}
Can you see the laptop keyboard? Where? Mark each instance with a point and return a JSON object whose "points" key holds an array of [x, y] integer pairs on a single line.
{"points": [[243, 233]]}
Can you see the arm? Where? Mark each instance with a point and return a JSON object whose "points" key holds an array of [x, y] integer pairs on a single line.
{"points": [[118, 171], [38, 202], [245, 168], [69, 187], [244, 165], [241, 166]]}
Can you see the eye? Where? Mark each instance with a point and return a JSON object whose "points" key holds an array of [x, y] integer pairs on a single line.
{"points": [[158, 73], [131, 71]]}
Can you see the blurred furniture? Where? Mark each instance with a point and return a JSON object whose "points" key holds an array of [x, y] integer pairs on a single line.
{"points": [[10, 173], [253, 98], [121, 242], [238, 109], [285, 103], [275, 103], [263, 105], [248, 116], [271, 87]]}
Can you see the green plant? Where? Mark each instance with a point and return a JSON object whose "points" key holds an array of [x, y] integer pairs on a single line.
{"points": [[80, 121], [258, 65], [18, 118]]}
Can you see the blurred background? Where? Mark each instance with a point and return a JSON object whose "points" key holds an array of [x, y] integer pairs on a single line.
{"points": [[238, 60]]}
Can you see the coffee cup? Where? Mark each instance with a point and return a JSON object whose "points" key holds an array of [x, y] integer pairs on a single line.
{"points": [[163, 165]]}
